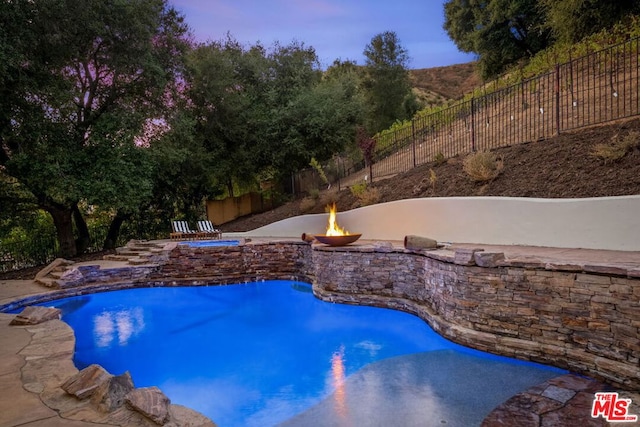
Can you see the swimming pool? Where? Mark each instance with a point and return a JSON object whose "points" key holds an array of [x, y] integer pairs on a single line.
{"points": [[211, 243], [260, 354]]}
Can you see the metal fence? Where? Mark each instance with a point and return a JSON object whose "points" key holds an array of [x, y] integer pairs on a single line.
{"points": [[596, 88], [27, 253]]}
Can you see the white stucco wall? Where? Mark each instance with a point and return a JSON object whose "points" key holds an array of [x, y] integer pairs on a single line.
{"points": [[611, 223]]}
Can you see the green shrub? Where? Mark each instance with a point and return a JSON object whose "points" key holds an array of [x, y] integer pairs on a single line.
{"points": [[314, 193], [439, 159], [358, 189], [433, 178]]}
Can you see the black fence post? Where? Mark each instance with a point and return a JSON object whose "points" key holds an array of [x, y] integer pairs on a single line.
{"points": [[413, 139], [473, 125], [557, 89]]}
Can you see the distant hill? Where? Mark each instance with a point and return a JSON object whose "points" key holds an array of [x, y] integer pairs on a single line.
{"points": [[437, 85]]}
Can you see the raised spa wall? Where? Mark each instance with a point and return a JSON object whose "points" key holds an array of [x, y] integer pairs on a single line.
{"points": [[584, 322]]}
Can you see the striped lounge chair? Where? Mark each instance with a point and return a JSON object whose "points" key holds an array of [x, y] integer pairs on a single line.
{"points": [[181, 230], [208, 231]]}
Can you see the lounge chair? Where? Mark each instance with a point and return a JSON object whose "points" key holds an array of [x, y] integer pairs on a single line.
{"points": [[208, 231], [181, 230]]}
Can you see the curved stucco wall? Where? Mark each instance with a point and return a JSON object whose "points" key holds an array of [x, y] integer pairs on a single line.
{"points": [[611, 223]]}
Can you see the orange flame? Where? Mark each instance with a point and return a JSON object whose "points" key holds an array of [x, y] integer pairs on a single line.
{"points": [[333, 229]]}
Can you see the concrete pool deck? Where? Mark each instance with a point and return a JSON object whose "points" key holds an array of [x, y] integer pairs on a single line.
{"points": [[565, 400]]}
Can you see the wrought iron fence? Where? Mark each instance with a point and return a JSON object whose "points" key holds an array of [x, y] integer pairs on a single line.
{"points": [[44, 249], [27, 253], [596, 88]]}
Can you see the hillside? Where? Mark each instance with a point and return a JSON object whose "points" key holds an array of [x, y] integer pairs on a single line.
{"points": [[560, 167], [435, 85]]}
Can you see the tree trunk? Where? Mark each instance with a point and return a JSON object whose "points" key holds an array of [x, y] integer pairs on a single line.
{"points": [[61, 216], [114, 230], [83, 240], [230, 187]]}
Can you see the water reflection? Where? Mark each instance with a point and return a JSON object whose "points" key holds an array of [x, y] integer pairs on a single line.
{"points": [[121, 325], [338, 376]]}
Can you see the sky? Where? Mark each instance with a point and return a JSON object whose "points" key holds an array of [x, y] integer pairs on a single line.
{"points": [[336, 29]]}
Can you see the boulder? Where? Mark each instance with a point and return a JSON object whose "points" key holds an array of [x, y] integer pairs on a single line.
{"points": [[34, 315], [150, 402], [111, 393], [84, 383]]}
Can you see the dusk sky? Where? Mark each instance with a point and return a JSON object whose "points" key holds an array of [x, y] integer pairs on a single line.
{"points": [[337, 29]]}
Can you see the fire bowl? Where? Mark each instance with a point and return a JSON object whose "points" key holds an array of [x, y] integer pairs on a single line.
{"points": [[337, 240]]}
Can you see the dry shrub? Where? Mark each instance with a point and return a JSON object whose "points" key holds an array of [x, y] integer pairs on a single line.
{"points": [[617, 149], [370, 196], [328, 198], [482, 166], [307, 204], [365, 194]]}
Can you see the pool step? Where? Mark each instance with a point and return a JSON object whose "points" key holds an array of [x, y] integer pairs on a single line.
{"points": [[139, 261], [116, 257], [138, 253], [49, 282]]}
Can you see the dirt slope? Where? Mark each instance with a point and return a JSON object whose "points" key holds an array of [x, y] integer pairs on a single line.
{"points": [[560, 167]]}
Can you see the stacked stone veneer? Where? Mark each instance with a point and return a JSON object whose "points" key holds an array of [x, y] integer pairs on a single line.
{"points": [[235, 264], [585, 322]]}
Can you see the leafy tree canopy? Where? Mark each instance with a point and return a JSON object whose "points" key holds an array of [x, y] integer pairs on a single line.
{"points": [[571, 20], [258, 108], [87, 75], [387, 85], [501, 32]]}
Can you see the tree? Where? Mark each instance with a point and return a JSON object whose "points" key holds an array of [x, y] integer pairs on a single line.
{"points": [[387, 85], [86, 77], [258, 109], [500, 32], [571, 20]]}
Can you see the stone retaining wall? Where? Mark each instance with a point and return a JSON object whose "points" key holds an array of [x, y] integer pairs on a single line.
{"points": [[583, 322]]}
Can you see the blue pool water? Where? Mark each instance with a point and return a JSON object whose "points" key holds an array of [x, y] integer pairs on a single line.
{"points": [[209, 243], [260, 354]]}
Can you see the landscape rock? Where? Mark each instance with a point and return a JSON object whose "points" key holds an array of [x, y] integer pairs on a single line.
{"points": [[34, 315], [419, 242], [150, 402], [84, 383], [383, 247], [111, 393], [465, 256], [488, 259]]}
